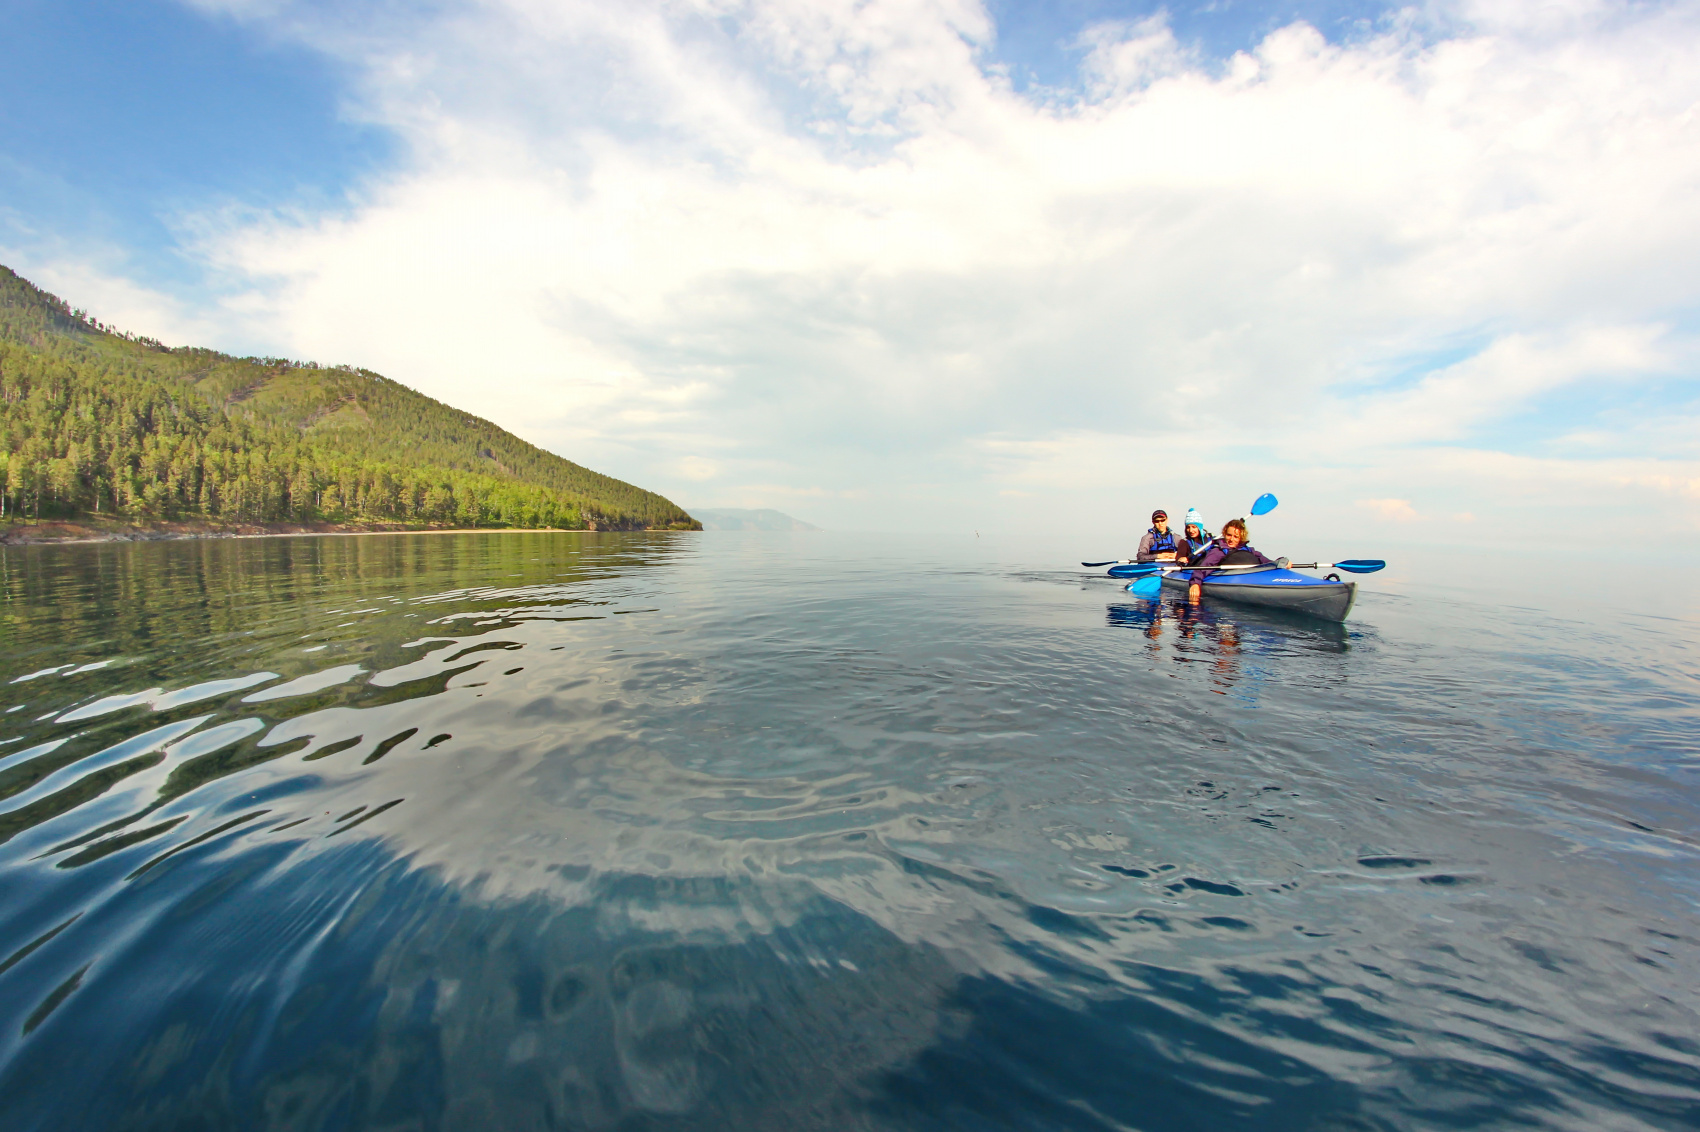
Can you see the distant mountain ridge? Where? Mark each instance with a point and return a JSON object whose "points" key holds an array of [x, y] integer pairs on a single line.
{"points": [[96, 422], [743, 519]]}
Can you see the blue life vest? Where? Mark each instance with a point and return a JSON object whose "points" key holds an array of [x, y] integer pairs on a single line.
{"points": [[1196, 547], [1161, 543]]}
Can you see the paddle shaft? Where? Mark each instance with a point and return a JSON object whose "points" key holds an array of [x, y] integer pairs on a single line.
{"points": [[1361, 566], [1159, 567]]}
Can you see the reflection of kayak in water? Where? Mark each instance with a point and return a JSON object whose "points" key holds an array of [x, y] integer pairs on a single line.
{"points": [[1258, 632], [1282, 589]]}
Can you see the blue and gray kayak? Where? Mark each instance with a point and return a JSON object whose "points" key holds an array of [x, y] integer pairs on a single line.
{"points": [[1280, 589], [1271, 586], [1274, 587]]}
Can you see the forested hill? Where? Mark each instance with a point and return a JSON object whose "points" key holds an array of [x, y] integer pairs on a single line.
{"points": [[94, 422]]}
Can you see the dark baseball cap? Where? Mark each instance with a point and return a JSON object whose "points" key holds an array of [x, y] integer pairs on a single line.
{"points": [[1159, 514]]}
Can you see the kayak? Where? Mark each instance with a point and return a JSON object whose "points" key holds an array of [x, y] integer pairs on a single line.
{"points": [[1281, 589]]}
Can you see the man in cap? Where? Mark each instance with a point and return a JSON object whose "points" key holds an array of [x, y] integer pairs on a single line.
{"points": [[1158, 545]]}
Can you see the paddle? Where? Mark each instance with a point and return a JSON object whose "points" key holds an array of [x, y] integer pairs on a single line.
{"points": [[1147, 587], [1265, 503], [1108, 562], [1351, 565], [1149, 575]]}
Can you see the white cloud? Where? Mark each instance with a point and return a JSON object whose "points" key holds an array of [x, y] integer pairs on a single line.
{"points": [[761, 247], [696, 468], [1452, 401], [1683, 484], [1399, 510]]}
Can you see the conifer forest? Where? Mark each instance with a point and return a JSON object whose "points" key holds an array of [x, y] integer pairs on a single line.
{"points": [[98, 423]]}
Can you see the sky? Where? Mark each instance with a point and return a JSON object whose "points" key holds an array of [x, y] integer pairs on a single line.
{"points": [[1429, 273]]}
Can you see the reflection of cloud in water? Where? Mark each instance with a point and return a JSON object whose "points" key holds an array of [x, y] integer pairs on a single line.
{"points": [[567, 793], [540, 1007], [364, 991], [358, 990]]}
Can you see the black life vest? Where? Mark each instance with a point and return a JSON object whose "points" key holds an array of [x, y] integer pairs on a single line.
{"points": [[1162, 543], [1240, 556]]}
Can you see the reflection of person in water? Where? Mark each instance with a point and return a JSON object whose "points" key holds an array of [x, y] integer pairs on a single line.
{"points": [[1226, 667], [1196, 631], [1220, 640], [1148, 619]]}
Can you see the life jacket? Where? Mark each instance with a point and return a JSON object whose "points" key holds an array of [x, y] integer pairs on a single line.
{"points": [[1239, 556], [1162, 543], [1196, 547]]}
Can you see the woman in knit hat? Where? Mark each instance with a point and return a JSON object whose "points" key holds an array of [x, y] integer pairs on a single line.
{"points": [[1194, 540]]}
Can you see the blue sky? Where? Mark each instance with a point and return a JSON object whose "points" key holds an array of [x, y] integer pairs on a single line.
{"points": [[873, 263], [1039, 41], [119, 117]]}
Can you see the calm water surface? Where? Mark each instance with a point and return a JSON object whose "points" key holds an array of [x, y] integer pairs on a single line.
{"points": [[784, 832]]}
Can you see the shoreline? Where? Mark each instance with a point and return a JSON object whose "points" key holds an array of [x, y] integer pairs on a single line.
{"points": [[54, 533]]}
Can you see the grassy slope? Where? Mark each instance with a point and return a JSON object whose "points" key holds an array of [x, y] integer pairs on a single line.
{"points": [[349, 412]]}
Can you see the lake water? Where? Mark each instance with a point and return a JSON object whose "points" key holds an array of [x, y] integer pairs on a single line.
{"points": [[746, 831]]}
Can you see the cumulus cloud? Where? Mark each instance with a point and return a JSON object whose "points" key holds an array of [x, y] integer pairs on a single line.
{"points": [[768, 250]]}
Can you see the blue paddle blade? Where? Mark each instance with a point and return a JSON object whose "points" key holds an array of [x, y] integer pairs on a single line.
{"points": [[1360, 565], [1134, 570], [1265, 504], [1147, 587]]}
